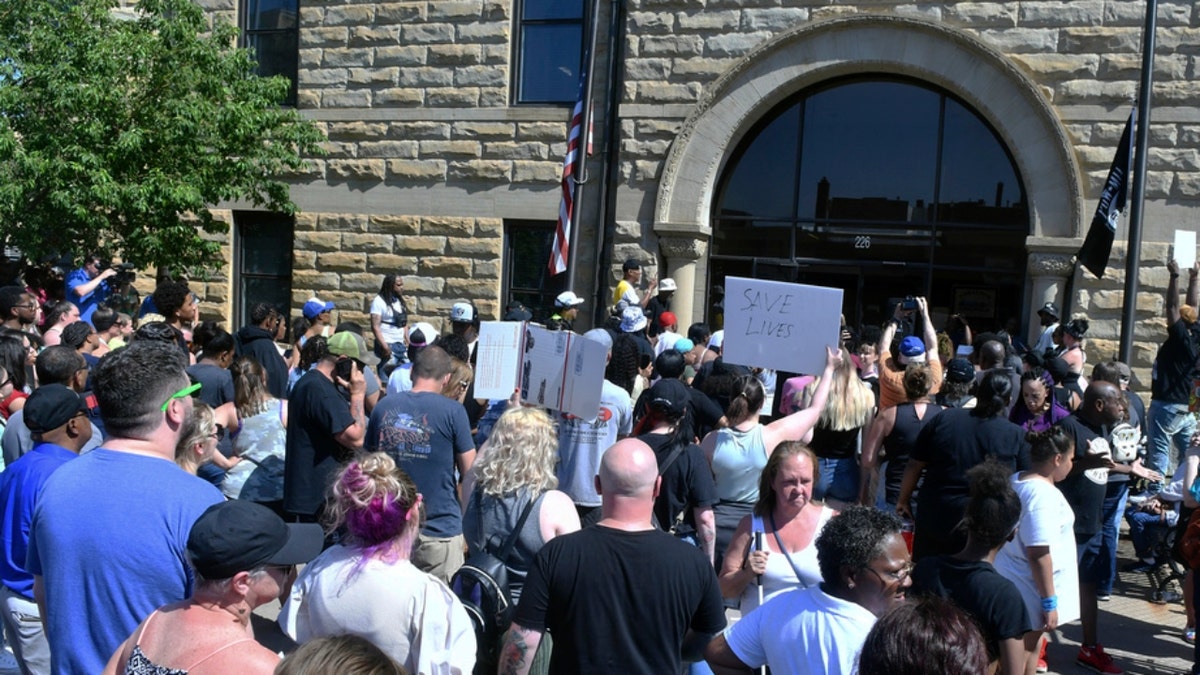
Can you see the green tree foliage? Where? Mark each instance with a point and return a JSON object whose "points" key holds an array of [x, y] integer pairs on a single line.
{"points": [[116, 134]]}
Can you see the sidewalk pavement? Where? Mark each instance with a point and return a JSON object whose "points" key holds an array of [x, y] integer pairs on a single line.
{"points": [[1141, 636]]}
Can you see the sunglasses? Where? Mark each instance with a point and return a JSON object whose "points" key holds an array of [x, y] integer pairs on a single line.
{"points": [[182, 393]]}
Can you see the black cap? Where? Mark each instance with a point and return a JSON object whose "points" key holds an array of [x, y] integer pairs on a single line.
{"points": [[516, 311], [1049, 309], [669, 395], [50, 406], [631, 264], [238, 535], [960, 370]]}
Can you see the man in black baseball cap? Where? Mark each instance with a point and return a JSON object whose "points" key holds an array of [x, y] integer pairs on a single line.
{"points": [[244, 556], [1048, 317]]}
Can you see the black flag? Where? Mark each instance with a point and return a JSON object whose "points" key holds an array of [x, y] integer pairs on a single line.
{"points": [[1098, 245]]}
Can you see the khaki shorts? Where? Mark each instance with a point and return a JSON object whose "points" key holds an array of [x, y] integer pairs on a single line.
{"points": [[439, 556]]}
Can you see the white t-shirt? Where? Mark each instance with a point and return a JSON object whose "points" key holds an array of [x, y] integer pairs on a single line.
{"points": [[666, 340], [400, 379], [405, 612], [1046, 520], [780, 575], [387, 316], [802, 632], [582, 442]]}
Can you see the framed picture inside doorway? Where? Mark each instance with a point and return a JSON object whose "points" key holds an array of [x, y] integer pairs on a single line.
{"points": [[975, 302]]}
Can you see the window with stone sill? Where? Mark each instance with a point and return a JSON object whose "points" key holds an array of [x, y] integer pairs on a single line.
{"points": [[262, 262], [271, 30], [527, 276], [548, 54]]}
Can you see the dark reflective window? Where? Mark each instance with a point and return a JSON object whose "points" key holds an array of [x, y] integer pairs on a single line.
{"points": [[549, 51], [526, 266], [264, 261], [885, 187], [270, 29]]}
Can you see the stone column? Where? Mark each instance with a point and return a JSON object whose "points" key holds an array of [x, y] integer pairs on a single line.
{"points": [[1049, 273], [683, 254]]}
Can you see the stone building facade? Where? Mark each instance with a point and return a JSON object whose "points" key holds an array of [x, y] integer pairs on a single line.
{"points": [[433, 166]]}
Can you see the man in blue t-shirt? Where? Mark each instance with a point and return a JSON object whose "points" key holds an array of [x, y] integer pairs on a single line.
{"points": [[429, 436], [108, 541], [88, 286], [57, 418]]}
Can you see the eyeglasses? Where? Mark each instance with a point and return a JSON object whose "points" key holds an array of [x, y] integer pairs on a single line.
{"points": [[889, 576], [219, 433], [32, 305], [182, 393]]}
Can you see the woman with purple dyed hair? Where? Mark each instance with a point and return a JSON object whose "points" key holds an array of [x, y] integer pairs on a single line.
{"points": [[366, 586]]}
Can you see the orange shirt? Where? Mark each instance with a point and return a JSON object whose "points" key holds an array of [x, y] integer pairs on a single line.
{"points": [[891, 382]]}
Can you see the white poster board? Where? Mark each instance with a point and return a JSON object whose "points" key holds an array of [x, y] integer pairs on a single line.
{"points": [[559, 370], [773, 324], [497, 359], [1185, 248]]}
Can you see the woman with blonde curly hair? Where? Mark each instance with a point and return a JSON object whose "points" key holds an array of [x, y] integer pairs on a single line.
{"points": [[366, 585], [515, 470]]}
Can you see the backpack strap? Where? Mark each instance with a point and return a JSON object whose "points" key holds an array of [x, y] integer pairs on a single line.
{"points": [[672, 457], [502, 554]]}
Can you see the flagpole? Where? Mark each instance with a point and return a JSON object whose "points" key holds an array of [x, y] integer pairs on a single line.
{"points": [[585, 144], [1134, 249]]}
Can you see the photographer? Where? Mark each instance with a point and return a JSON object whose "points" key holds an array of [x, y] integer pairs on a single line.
{"points": [[908, 349], [88, 286]]}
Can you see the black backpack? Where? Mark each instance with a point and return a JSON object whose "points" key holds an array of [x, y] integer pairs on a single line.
{"points": [[481, 584]]}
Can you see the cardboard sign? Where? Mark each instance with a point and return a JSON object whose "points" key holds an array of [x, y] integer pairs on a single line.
{"points": [[773, 324], [1185, 248], [559, 370]]}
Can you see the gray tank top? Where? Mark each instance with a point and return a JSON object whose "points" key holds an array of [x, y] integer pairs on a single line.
{"points": [[491, 520]]}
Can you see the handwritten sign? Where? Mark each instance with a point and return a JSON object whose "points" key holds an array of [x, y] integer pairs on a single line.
{"points": [[772, 324]]}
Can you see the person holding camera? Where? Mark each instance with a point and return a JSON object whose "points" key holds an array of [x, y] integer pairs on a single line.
{"points": [[894, 358], [88, 286], [323, 430]]}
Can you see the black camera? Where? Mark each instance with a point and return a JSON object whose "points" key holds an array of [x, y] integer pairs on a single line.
{"points": [[909, 304], [126, 275]]}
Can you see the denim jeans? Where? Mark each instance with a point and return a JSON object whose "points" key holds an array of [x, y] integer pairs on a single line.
{"points": [[1113, 511], [838, 480], [1168, 424]]}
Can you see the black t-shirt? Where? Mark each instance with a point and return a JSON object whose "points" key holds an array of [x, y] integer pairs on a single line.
{"points": [[686, 484], [834, 444], [1176, 363], [976, 587], [619, 602], [901, 441], [316, 413], [1084, 494], [950, 445]]}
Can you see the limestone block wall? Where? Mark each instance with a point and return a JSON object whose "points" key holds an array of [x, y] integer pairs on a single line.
{"points": [[342, 258]]}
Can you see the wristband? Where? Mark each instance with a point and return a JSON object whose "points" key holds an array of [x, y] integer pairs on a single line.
{"points": [[1050, 604]]}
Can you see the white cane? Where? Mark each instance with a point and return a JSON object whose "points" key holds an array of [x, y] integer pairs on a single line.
{"points": [[758, 546]]}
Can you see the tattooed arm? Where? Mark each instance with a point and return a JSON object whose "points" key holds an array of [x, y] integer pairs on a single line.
{"points": [[520, 644]]}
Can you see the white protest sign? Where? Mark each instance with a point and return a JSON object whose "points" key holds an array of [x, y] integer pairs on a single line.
{"points": [[1185, 248], [497, 359], [773, 324]]}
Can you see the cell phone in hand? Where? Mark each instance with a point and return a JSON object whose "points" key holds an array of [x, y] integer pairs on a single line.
{"points": [[344, 369]]}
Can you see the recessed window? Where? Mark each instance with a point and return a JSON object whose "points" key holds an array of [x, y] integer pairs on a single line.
{"points": [[549, 51], [263, 258], [527, 276], [270, 29]]}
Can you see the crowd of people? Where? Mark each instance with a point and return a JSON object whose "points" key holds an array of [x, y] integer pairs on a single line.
{"points": [[931, 501]]}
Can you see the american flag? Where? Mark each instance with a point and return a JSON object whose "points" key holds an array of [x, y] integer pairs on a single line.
{"points": [[561, 248]]}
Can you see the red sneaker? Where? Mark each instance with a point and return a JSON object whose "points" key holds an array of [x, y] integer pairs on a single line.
{"points": [[1094, 658], [1042, 666]]}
